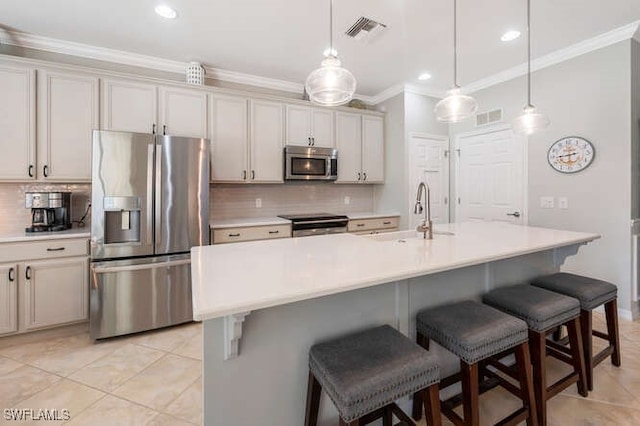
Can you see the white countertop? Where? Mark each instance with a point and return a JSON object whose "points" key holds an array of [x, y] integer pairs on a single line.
{"points": [[240, 277], [256, 221], [370, 215], [39, 236]]}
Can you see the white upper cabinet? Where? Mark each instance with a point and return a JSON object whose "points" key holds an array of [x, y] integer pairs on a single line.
{"points": [[18, 123], [349, 144], [67, 114], [266, 142], [229, 138], [129, 106], [373, 149], [309, 126], [183, 112], [360, 143]]}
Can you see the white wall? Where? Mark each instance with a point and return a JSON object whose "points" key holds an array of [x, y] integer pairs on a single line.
{"points": [[587, 96]]}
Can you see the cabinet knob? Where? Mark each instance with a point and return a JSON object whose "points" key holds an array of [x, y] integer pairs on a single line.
{"points": [[364, 176], [234, 235], [244, 175], [12, 276], [253, 174], [30, 171], [153, 128], [359, 174], [164, 129], [313, 141], [45, 171], [274, 232], [27, 273], [309, 141]]}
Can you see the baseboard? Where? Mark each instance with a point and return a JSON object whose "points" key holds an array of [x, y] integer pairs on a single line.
{"points": [[624, 314]]}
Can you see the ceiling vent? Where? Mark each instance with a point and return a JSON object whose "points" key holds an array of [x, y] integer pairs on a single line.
{"points": [[365, 29], [490, 117]]}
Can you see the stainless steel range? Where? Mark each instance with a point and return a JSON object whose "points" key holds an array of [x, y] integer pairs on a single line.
{"points": [[303, 225]]}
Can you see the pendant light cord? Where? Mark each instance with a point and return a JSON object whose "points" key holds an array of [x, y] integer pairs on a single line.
{"points": [[529, 53], [455, 43], [331, 28]]}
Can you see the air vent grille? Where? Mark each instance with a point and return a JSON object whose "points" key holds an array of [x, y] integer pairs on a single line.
{"points": [[365, 28], [490, 117]]}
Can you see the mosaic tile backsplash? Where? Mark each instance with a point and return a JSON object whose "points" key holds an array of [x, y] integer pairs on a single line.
{"points": [[14, 217]]}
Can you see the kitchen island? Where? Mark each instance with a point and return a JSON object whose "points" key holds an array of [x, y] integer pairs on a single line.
{"points": [[264, 303]]}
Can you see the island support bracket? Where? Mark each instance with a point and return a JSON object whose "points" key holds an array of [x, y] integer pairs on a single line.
{"points": [[232, 334]]}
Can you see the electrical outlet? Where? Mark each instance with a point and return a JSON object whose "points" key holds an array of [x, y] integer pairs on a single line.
{"points": [[347, 199], [258, 203], [546, 202], [563, 203]]}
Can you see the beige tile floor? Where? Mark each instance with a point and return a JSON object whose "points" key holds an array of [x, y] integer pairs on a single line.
{"points": [[155, 378]]}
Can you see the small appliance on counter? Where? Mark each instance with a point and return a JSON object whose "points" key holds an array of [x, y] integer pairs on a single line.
{"points": [[304, 225], [50, 211]]}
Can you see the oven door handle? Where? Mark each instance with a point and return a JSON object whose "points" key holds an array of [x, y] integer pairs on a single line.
{"points": [[312, 222]]}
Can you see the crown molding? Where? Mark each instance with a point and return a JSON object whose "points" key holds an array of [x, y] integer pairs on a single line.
{"points": [[419, 90], [598, 42], [252, 80], [403, 88]]}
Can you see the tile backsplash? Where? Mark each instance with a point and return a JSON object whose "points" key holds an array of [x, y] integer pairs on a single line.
{"points": [[239, 201], [14, 217]]}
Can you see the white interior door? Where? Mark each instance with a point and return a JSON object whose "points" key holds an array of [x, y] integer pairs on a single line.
{"points": [[429, 163], [490, 184]]}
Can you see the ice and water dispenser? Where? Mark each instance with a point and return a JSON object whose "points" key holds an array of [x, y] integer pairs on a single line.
{"points": [[122, 220]]}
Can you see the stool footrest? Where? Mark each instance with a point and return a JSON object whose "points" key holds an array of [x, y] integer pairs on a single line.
{"points": [[600, 334], [602, 355], [561, 356], [561, 384]]}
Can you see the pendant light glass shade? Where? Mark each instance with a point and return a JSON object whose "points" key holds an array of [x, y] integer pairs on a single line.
{"points": [[330, 85], [456, 107], [530, 121]]}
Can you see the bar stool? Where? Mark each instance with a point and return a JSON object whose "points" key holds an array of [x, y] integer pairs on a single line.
{"points": [[475, 332], [364, 373], [591, 293], [544, 311]]}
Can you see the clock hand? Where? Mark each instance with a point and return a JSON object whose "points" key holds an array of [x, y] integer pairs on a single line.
{"points": [[568, 155]]}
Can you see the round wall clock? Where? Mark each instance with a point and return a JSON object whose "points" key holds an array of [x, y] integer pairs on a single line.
{"points": [[571, 154]]}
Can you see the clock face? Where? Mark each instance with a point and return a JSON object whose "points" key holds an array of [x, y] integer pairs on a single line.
{"points": [[571, 154]]}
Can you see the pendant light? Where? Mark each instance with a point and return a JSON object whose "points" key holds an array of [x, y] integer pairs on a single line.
{"points": [[330, 85], [455, 107], [530, 121]]}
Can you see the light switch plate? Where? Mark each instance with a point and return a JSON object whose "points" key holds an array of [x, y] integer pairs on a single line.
{"points": [[546, 202], [258, 203], [563, 203], [347, 199]]}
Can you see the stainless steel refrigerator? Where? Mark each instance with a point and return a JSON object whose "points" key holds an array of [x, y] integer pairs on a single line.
{"points": [[149, 206]]}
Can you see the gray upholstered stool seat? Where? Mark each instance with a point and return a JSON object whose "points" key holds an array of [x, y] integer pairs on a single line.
{"points": [[471, 330], [590, 292], [365, 371], [477, 334], [540, 308]]}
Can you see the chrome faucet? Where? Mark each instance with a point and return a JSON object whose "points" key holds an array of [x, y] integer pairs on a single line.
{"points": [[426, 227]]}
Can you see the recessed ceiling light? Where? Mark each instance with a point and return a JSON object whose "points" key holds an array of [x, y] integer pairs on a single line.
{"points": [[165, 11], [510, 35], [424, 76]]}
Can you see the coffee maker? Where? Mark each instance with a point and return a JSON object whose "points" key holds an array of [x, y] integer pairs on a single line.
{"points": [[50, 211]]}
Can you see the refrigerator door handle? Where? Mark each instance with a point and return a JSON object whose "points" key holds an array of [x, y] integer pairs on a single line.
{"points": [[108, 269], [150, 155], [158, 192]]}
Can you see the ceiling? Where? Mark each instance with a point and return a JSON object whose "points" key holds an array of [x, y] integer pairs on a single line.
{"points": [[284, 39]]}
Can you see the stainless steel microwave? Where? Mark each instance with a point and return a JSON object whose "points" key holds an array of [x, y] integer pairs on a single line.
{"points": [[310, 163]]}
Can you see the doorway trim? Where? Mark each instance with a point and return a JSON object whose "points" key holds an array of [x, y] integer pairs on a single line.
{"points": [[524, 140]]}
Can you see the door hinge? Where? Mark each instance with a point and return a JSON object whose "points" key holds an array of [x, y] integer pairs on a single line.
{"points": [[446, 200], [458, 151], [446, 153], [458, 200]]}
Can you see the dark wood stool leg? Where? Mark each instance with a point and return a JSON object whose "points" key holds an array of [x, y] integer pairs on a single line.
{"points": [[577, 354], [313, 401], [470, 393], [538, 355], [351, 423], [611, 311], [557, 334], [387, 417], [523, 363], [431, 397], [587, 342], [416, 411]]}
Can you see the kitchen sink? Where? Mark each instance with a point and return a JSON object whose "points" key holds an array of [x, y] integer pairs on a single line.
{"points": [[403, 235]]}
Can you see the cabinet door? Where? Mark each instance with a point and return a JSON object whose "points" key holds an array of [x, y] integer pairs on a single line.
{"points": [[298, 125], [54, 291], [67, 114], [129, 106], [17, 123], [373, 149], [8, 298], [322, 131], [349, 144], [183, 112], [229, 138], [266, 142]]}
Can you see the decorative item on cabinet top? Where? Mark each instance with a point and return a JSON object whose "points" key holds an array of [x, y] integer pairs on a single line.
{"points": [[195, 73]]}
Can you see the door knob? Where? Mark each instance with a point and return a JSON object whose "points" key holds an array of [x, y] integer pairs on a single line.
{"points": [[514, 214]]}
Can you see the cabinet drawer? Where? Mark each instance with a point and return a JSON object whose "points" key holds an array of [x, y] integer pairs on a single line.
{"points": [[232, 235], [372, 224], [49, 249]]}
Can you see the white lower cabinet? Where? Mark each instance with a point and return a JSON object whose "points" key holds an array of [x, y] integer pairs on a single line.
{"points": [[43, 284], [54, 292], [8, 298]]}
